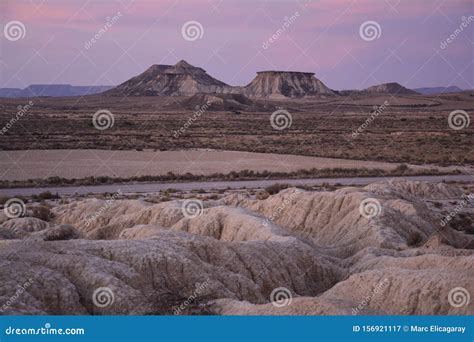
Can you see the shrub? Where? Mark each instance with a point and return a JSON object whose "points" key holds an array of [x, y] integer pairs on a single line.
{"points": [[402, 168], [47, 195], [262, 194], [276, 188], [42, 212]]}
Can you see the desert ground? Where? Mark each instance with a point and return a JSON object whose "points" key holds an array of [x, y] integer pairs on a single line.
{"points": [[393, 247], [412, 129], [34, 164]]}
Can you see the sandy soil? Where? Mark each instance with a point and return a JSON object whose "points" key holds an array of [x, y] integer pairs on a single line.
{"points": [[34, 164], [412, 129]]}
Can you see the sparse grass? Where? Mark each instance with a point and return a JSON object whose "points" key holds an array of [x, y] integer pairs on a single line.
{"points": [[401, 170], [409, 133]]}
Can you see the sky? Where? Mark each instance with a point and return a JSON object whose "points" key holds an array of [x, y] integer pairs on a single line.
{"points": [[350, 44]]}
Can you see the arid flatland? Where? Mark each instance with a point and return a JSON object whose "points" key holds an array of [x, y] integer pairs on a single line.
{"points": [[412, 129]]}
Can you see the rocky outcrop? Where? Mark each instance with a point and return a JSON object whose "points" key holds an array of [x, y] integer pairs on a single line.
{"points": [[389, 291], [286, 84], [34, 228], [24, 226], [181, 79], [373, 250], [154, 275]]}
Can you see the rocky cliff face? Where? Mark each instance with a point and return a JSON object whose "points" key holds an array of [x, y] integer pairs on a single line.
{"points": [[281, 84], [390, 88], [181, 79]]}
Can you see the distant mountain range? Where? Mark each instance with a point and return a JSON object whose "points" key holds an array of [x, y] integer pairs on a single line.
{"points": [[54, 90], [438, 90], [184, 79], [390, 88]]}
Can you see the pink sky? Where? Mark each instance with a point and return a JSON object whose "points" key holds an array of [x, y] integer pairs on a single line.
{"points": [[324, 38]]}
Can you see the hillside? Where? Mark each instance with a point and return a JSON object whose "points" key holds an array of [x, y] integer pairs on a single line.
{"points": [[281, 84], [438, 90], [392, 88], [181, 79], [52, 90], [184, 79]]}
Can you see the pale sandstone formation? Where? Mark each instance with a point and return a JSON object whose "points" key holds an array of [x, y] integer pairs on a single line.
{"points": [[140, 232], [238, 250], [391, 291], [184, 79], [34, 228], [332, 220], [24, 226], [298, 306], [170, 80], [286, 84], [153, 275]]}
